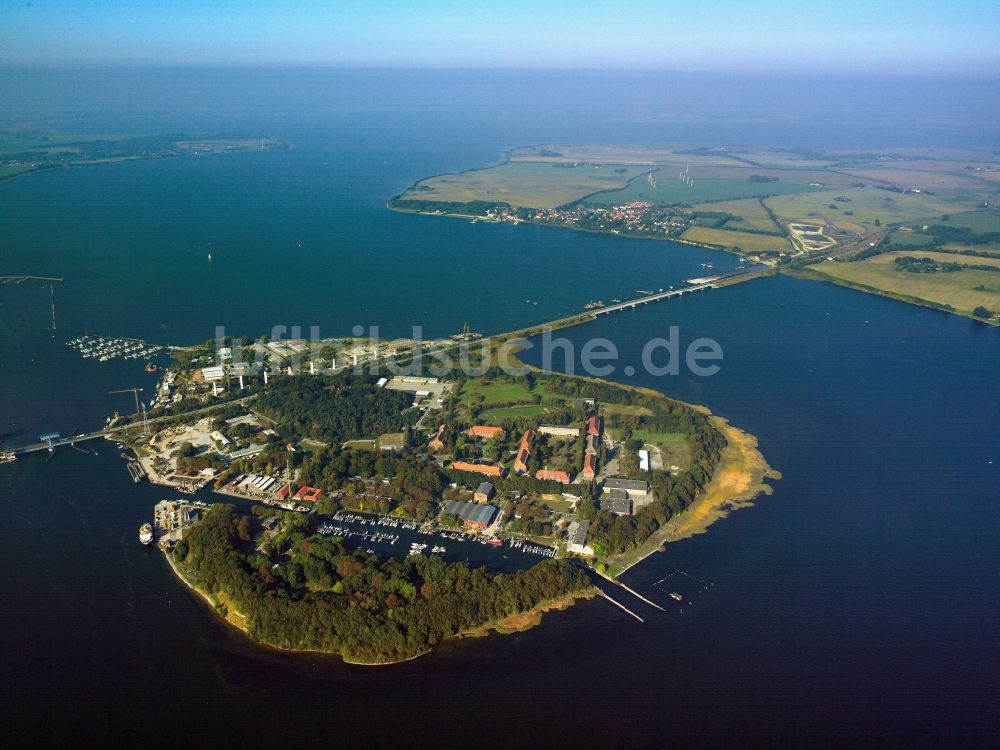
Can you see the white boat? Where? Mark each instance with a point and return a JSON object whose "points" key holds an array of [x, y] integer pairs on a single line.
{"points": [[146, 533]]}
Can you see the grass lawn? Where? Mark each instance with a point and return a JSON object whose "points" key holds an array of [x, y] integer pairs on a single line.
{"points": [[512, 412], [660, 438], [360, 445], [744, 241], [556, 503], [524, 184], [494, 393], [752, 214], [963, 290], [641, 411]]}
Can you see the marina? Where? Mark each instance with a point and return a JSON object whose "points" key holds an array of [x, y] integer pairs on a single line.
{"points": [[402, 538], [104, 349]]}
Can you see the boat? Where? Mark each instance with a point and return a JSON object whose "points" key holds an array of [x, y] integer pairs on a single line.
{"points": [[146, 533], [7, 456], [675, 595], [151, 367], [495, 542]]}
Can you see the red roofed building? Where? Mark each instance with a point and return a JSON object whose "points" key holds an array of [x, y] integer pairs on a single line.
{"points": [[490, 471], [552, 475], [594, 426], [437, 443], [484, 432], [523, 453], [310, 494], [283, 493], [589, 467]]}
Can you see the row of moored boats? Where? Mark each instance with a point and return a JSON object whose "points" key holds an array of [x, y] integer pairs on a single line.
{"points": [[104, 348]]}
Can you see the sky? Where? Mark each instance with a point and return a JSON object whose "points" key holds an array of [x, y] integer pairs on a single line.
{"points": [[860, 36]]}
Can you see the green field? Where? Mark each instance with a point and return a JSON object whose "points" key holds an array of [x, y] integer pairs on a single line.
{"points": [[660, 438], [963, 290], [977, 221], [867, 205], [512, 412], [709, 185], [360, 445], [523, 184], [6, 171], [752, 214], [494, 393], [744, 241], [910, 239]]}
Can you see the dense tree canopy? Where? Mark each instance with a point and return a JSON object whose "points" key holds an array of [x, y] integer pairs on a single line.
{"points": [[310, 592]]}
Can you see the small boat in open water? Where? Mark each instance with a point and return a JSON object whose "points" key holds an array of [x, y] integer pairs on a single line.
{"points": [[146, 533]]}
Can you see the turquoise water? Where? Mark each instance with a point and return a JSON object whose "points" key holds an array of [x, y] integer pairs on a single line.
{"points": [[855, 604]]}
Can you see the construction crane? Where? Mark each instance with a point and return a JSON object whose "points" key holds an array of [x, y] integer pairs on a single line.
{"points": [[140, 410], [52, 288]]}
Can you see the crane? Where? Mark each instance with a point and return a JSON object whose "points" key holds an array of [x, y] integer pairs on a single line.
{"points": [[138, 408]]}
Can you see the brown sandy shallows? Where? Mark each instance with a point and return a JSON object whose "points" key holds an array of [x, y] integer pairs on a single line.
{"points": [[738, 479]]}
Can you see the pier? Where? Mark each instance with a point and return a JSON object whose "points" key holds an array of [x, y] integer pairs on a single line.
{"points": [[50, 280], [51, 441]]}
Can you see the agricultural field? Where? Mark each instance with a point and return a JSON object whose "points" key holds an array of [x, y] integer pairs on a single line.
{"points": [[781, 159], [523, 184], [977, 221], [962, 290], [907, 240], [954, 177], [746, 242], [674, 186], [864, 204], [636, 155], [752, 214], [942, 257]]}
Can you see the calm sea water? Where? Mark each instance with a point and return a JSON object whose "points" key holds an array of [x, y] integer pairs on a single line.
{"points": [[858, 601]]}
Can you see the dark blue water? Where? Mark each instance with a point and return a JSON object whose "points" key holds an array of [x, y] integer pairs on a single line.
{"points": [[856, 604]]}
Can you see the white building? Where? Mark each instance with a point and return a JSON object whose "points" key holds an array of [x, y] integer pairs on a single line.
{"points": [[576, 538]]}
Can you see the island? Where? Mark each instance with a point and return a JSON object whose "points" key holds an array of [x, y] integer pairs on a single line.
{"points": [[374, 515], [28, 148], [822, 215]]}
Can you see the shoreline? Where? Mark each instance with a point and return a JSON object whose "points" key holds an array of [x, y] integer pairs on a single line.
{"points": [[515, 623], [485, 220], [807, 273], [737, 482]]}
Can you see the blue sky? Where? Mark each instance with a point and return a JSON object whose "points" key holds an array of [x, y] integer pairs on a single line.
{"points": [[918, 36]]}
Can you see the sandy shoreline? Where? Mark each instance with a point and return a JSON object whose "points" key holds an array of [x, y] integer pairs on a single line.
{"points": [[738, 479]]}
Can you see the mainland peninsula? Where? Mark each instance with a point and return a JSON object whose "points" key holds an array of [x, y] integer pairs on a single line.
{"points": [[377, 515], [917, 225]]}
